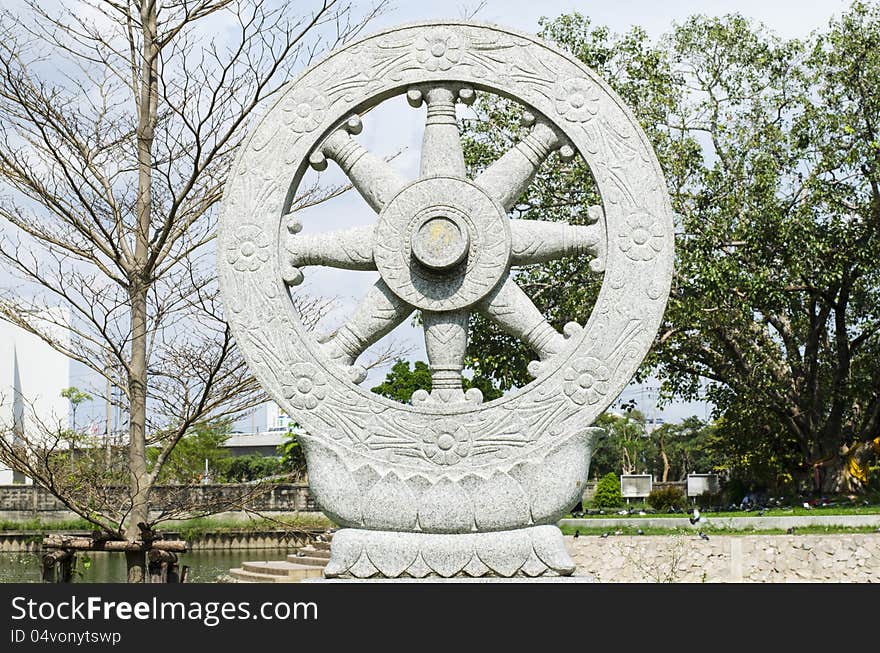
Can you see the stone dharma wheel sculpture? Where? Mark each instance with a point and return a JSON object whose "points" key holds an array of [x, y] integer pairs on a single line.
{"points": [[448, 485]]}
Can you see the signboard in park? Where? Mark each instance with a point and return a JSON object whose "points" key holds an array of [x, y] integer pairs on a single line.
{"points": [[636, 486], [700, 484]]}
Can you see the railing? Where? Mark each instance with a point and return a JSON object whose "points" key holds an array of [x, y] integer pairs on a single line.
{"points": [[283, 497]]}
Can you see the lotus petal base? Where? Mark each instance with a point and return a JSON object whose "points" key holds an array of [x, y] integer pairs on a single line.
{"points": [[531, 552]]}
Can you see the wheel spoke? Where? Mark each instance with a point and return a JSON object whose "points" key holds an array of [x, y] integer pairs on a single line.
{"points": [[441, 143], [349, 249], [380, 312], [445, 343], [374, 178], [508, 177], [511, 309], [535, 241]]}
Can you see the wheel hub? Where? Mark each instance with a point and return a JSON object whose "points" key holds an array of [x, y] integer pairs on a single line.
{"points": [[442, 243]]}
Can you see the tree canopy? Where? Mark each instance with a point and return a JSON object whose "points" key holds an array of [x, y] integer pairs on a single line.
{"points": [[771, 153], [401, 381]]}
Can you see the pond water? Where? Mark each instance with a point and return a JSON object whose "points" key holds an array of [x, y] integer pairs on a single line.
{"points": [[204, 566]]}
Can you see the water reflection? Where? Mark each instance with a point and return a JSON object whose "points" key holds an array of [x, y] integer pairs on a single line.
{"points": [[204, 566]]}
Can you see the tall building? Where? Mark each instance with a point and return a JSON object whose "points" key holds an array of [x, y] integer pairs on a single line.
{"points": [[32, 376], [267, 417]]}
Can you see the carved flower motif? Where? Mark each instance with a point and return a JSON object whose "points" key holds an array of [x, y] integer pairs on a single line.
{"points": [[446, 443], [304, 386], [439, 49], [577, 99], [586, 381], [642, 237], [249, 250], [304, 110]]}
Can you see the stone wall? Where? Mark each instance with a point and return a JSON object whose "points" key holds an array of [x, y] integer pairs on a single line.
{"points": [[845, 558], [24, 501]]}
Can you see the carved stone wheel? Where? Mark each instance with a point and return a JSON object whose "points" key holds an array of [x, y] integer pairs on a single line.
{"points": [[448, 485]]}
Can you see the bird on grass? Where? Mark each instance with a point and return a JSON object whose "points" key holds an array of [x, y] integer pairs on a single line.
{"points": [[790, 530], [641, 532], [577, 533], [618, 532], [604, 535], [694, 518], [703, 536], [807, 506]]}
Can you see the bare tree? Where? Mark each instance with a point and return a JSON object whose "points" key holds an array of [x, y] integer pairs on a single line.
{"points": [[118, 123]]}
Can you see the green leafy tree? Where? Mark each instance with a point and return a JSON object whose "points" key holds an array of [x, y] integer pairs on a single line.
{"points": [[75, 396], [253, 467], [684, 448], [292, 458], [402, 380], [186, 464], [625, 446], [770, 152]]}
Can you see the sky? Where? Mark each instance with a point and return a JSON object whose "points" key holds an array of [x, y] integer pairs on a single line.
{"points": [[395, 128]]}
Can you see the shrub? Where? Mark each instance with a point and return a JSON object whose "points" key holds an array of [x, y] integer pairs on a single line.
{"points": [[608, 492], [662, 499], [252, 467]]}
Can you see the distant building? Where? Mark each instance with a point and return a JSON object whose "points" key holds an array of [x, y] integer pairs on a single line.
{"points": [[260, 444], [32, 376], [268, 417]]}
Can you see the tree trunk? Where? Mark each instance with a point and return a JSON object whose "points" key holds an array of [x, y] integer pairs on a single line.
{"points": [[139, 278], [627, 465], [665, 465], [835, 478]]}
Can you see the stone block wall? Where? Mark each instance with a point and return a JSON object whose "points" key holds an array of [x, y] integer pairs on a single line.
{"points": [[844, 558]]}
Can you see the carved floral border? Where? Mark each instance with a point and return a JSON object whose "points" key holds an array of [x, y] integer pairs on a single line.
{"points": [[579, 383]]}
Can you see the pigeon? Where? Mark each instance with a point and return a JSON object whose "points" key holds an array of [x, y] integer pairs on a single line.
{"points": [[618, 532], [642, 513], [577, 533], [695, 517], [604, 535], [641, 532], [807, 506], [623, 512], [703, 536], [760, 513], [790, 530]]}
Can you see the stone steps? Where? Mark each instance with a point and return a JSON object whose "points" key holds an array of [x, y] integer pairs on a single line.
{"points": [[307, 560], [244, 576], [286, 571]]}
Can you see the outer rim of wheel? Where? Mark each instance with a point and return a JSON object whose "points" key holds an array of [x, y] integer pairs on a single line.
{"points": [[273, 159]]}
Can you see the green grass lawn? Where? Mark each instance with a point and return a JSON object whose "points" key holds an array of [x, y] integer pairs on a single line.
{"points": [[770, 512], [587, 531]]}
